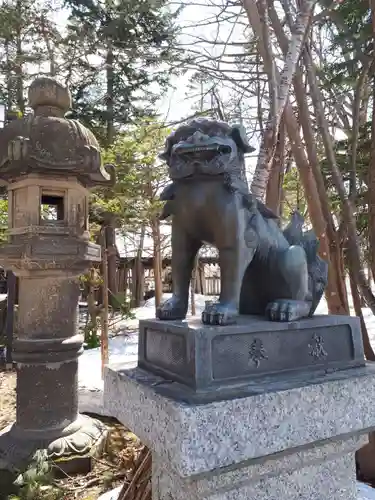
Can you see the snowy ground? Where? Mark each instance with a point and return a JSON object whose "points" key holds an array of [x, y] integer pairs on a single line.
{"points": [[365, 492]]}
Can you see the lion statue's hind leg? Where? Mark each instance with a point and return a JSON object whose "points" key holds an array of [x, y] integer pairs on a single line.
{"points": [[291, 284]]}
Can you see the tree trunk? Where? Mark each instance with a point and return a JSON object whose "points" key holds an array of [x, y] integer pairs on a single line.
{"points": [[330, 250], [193, 283], [347, 209], [157, 261], [336, 293], [360, 84], [307, 178], [279, 95], [110, 96], [19, 60], [8, 75], [371, 191], [138, 272], [369, 353], [275, 181], [49, 47]]}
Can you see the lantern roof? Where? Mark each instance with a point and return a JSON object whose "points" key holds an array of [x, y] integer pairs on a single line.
{"points": [[47, 143]]}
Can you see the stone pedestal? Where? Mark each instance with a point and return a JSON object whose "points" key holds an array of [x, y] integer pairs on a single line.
{"points": [[204, 363], [319, 472], [296, 442], [287, 437], [46, 350]]}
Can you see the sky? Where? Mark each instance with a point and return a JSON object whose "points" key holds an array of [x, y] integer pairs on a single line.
{"points": [[175, 105], [192, 33]]}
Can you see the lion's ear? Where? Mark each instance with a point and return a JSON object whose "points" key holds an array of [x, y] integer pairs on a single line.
{"points": [[266, 212], [238, 134], [165, 155]]}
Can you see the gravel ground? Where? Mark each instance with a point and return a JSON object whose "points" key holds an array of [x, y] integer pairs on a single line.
{"points": [[7, 397]]}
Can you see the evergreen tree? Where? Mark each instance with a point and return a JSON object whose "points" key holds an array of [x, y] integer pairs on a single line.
{"points": [[125, 60], [28, 38]]}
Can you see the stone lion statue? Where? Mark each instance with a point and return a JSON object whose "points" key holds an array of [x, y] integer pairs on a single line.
{"points": [[264, 270]]}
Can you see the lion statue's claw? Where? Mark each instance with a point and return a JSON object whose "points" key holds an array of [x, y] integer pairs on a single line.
{"points": [[219, 314], [287, 310], [172, 309]]}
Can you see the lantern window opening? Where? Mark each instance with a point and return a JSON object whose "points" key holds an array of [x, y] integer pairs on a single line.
{"points": [[52, 209]]}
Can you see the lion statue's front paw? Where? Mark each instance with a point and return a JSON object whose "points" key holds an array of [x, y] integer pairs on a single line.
{"points": [[216, 313], [172, 309]]}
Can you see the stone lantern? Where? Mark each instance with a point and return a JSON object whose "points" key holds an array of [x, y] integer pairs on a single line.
{"points": [[48, 163]]}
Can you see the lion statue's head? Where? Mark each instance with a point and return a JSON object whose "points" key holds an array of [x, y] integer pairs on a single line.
{"points": [[205, 146]]}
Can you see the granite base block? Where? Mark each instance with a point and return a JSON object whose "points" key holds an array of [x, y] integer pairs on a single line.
{"points": [[275, 418], [318, 473]]}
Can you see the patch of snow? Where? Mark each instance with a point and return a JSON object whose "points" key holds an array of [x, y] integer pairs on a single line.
{"points": [[112, 495], [122, 350], [365, 492], [150, 303]]}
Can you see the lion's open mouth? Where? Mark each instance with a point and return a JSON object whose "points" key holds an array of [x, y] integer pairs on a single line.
{"points": [[201, 153]]}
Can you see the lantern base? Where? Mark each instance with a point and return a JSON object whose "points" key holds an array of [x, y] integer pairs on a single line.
{"points": [[72, 451]]}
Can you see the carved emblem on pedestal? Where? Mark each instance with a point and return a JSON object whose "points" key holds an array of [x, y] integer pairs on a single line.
{"points": [[257, 352], [316, 347]]}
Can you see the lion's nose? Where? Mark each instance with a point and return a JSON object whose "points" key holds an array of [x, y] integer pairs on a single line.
{"points": [[199, 137]]}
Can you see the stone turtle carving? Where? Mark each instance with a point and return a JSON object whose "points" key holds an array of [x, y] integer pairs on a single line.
{"points": [[264, 270]]}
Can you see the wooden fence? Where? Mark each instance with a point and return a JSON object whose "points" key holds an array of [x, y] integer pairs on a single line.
{"points": [[212, 285]]}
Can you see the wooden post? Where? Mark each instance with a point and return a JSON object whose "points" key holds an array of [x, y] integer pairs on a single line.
{"points": [[110, 246], [104, 334], [193, 284], [157, 262], [203, 279]]}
